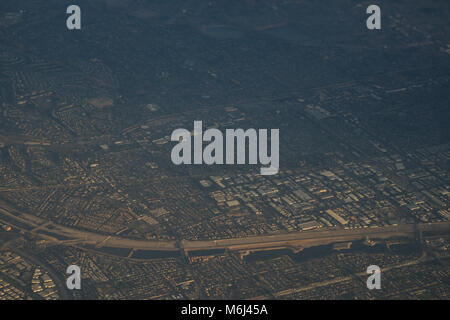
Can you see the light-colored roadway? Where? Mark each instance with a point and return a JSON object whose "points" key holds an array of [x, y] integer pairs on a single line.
{"points": [[295, 239]]}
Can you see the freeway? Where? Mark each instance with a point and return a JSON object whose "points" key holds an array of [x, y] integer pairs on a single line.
{"points": [[313, 238], [58, 233], [62, 234]]}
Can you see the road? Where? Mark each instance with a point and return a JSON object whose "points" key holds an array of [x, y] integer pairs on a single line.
{"points": [[62, 234], [326, 283]]}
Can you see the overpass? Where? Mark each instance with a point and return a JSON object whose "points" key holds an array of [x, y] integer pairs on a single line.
{"points": [[62, 234]]}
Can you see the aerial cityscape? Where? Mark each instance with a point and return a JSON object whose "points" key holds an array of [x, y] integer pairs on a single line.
{"points": [[357, 117]]}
